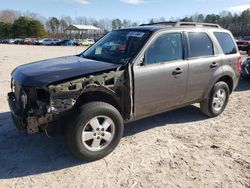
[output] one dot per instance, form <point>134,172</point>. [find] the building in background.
<point>83,31</point>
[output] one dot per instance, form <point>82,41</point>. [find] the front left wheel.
<point>95,132</point>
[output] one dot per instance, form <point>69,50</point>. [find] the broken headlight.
<point>23,99</point>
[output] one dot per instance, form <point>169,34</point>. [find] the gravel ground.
<point>180,148</point>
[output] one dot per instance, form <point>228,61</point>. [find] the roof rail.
<point>197,24</point>
<point>160,23</point>
<point>180,24</point>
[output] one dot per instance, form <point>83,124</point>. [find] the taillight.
<point>239,64</point>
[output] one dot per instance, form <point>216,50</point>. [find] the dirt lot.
<point>181,148</point>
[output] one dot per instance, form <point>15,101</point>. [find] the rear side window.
<point>200,45</point>
<point>226,43</point>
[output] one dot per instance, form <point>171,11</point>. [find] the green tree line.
<point>238,24</point>
<point>23,27</point>
<point>13,25</point>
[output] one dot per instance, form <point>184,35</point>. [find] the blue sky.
<point>137,10</point>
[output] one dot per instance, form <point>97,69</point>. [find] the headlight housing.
<point>23,99</point>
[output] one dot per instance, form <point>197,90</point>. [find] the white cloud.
<point>134,2</point>
<point>239,8</point>
<point>83,2</point>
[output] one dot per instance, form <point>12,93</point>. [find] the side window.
<point>167,47</point>
<point>226,43</point>
<point>200,44</point>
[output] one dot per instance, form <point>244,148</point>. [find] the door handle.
<point>177,71</point>
<point>213,65</point>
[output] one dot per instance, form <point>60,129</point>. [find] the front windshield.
<point>117,46</point>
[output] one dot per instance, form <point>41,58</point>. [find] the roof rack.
<point>180,24</point>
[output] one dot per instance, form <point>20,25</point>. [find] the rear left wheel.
<point>217,100</point>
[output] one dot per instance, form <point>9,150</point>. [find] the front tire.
<point>217,100</point>
<point>95,132</point>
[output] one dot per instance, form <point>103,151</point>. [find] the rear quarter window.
<point>200,45</point>
<point>226,42</point>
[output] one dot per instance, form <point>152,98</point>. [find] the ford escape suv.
<point>127,75</point>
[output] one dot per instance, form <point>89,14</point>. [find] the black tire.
<point>207,106</point>
<point>74,131</point>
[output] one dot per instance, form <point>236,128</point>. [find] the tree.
<point>200,18</point>
<point>187,19</point>
<point>35,29</point>
<point>151,21</point>
<point>212,18</point>
<point>68,20</point>
<point>54,24</point>
<point>126,23</point>
<point>105,25</point>
<point>63,25</point>
<point>20,27</point>
<point>8,16</point>
<point>116,24</point>
<point>245,22</point>
<point>5,30</point>
<point>24,27</point>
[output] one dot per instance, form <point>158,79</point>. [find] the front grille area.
<point>26,98</point>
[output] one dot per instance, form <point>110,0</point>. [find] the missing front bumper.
<point>30,123</point>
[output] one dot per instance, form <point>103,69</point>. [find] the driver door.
<point>160,83</point>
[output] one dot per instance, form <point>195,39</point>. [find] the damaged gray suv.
<point>127,75</point>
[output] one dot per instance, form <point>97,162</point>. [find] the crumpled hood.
<point>43,73</point>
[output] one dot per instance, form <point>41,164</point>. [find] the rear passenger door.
<point>203,64</point>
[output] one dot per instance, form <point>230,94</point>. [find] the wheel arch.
<point>225,78</point>
<point>228,80</point>
<point>100,95</point>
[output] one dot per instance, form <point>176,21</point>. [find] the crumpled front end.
<point>32,108</point>
<point>29,107</point>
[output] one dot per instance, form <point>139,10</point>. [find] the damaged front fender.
<point>64,96</point>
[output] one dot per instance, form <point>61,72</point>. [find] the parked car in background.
<point>78,41</point>
<point>87,42</point>
<point>10,41</point>
<point>40,41</point>
<point>244,44</point>
<point>4,41</point>
<point>50,41</point>
<point>19,41</point>
<point>245,69</point>
<point>66,42</point>
<point>30,41</point>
